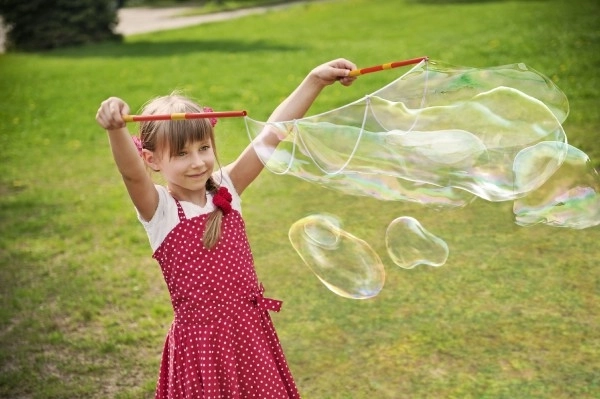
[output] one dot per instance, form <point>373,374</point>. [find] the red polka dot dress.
<point>222,343</point>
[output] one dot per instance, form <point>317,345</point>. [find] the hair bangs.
<point>175,135</point>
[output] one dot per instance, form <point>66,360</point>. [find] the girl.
<point>222,343</point>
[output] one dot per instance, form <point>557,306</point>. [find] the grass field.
<point>514,312</point>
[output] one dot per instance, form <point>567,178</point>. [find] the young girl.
<point>222,343</point>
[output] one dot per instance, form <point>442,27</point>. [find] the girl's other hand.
<point>334,71</point>
<point>110,114</point>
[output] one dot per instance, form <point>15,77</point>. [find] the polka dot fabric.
<point>222,343</point>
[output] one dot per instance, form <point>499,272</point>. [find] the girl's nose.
<point>197,160</point>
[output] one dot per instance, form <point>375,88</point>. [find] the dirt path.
<point>143,20</point>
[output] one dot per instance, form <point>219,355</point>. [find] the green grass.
<point>514,313</point>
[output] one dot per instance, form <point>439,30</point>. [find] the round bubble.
<point>569,198</point>
<point>409,244</point>
<point>345,264</point>
<point>439,135</point>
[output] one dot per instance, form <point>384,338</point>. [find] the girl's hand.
<point>110,114</point>
<point>334,71</point>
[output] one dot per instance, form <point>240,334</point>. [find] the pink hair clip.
<point>213,121</point>
<point>138,144</point>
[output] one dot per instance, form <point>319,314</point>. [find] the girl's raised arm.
<point>248,165</point>
<point>127,158</point>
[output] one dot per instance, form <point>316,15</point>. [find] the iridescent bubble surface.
<point>345,264</point>
<point>409,244</point>
<point>439,135</point>
<point>569,198</point>
<point>442,136</point>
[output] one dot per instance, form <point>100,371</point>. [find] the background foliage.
<point>514,313</point>
<point>48,24</point>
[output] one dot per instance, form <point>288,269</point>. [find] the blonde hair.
<point>155,135</point>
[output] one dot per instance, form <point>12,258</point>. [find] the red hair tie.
<point>222,200</point>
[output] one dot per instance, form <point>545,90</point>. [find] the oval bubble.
<point>345,264</point>
<point>409,244</point>
<point>323,231</point>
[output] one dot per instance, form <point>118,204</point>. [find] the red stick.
<point>389,65</point>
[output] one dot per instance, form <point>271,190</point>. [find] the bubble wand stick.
<point>228,114</point>
<point>182,116</point>
<point>389,65</point>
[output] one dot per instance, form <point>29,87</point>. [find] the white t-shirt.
<point>166,216</point>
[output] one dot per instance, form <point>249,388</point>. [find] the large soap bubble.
<point>443,136</point>
<point>345,264</point>
<point>439,136</point>
<point>409,244</point>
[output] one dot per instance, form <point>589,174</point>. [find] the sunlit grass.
<point>514,313</point>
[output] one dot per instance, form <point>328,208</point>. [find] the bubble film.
<point>569,198</point>
<point>439,135</point>
<point>442,136</point>
<point>409,244</point>
<point>345,264</point>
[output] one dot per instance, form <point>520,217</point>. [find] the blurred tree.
<point>46,24</point>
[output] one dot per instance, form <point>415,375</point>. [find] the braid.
<point>212,231</point>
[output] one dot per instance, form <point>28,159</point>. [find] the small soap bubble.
<point>409,244</point>
<point>569,198</point>
<point>345,264</point>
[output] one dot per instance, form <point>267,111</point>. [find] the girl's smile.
<point>188,171</point>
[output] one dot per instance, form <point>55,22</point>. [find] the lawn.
<point>514,312</point>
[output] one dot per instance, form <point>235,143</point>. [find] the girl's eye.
<point>181,154</point>
<point>204,148</point>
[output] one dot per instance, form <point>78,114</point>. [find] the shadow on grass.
<point>438,2</point>
<point>167,48</point>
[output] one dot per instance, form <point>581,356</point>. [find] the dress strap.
<point>180,211</point>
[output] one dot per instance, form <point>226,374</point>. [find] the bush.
<point>48,24</point>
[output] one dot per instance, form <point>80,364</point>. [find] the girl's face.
<point>186,173</point>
